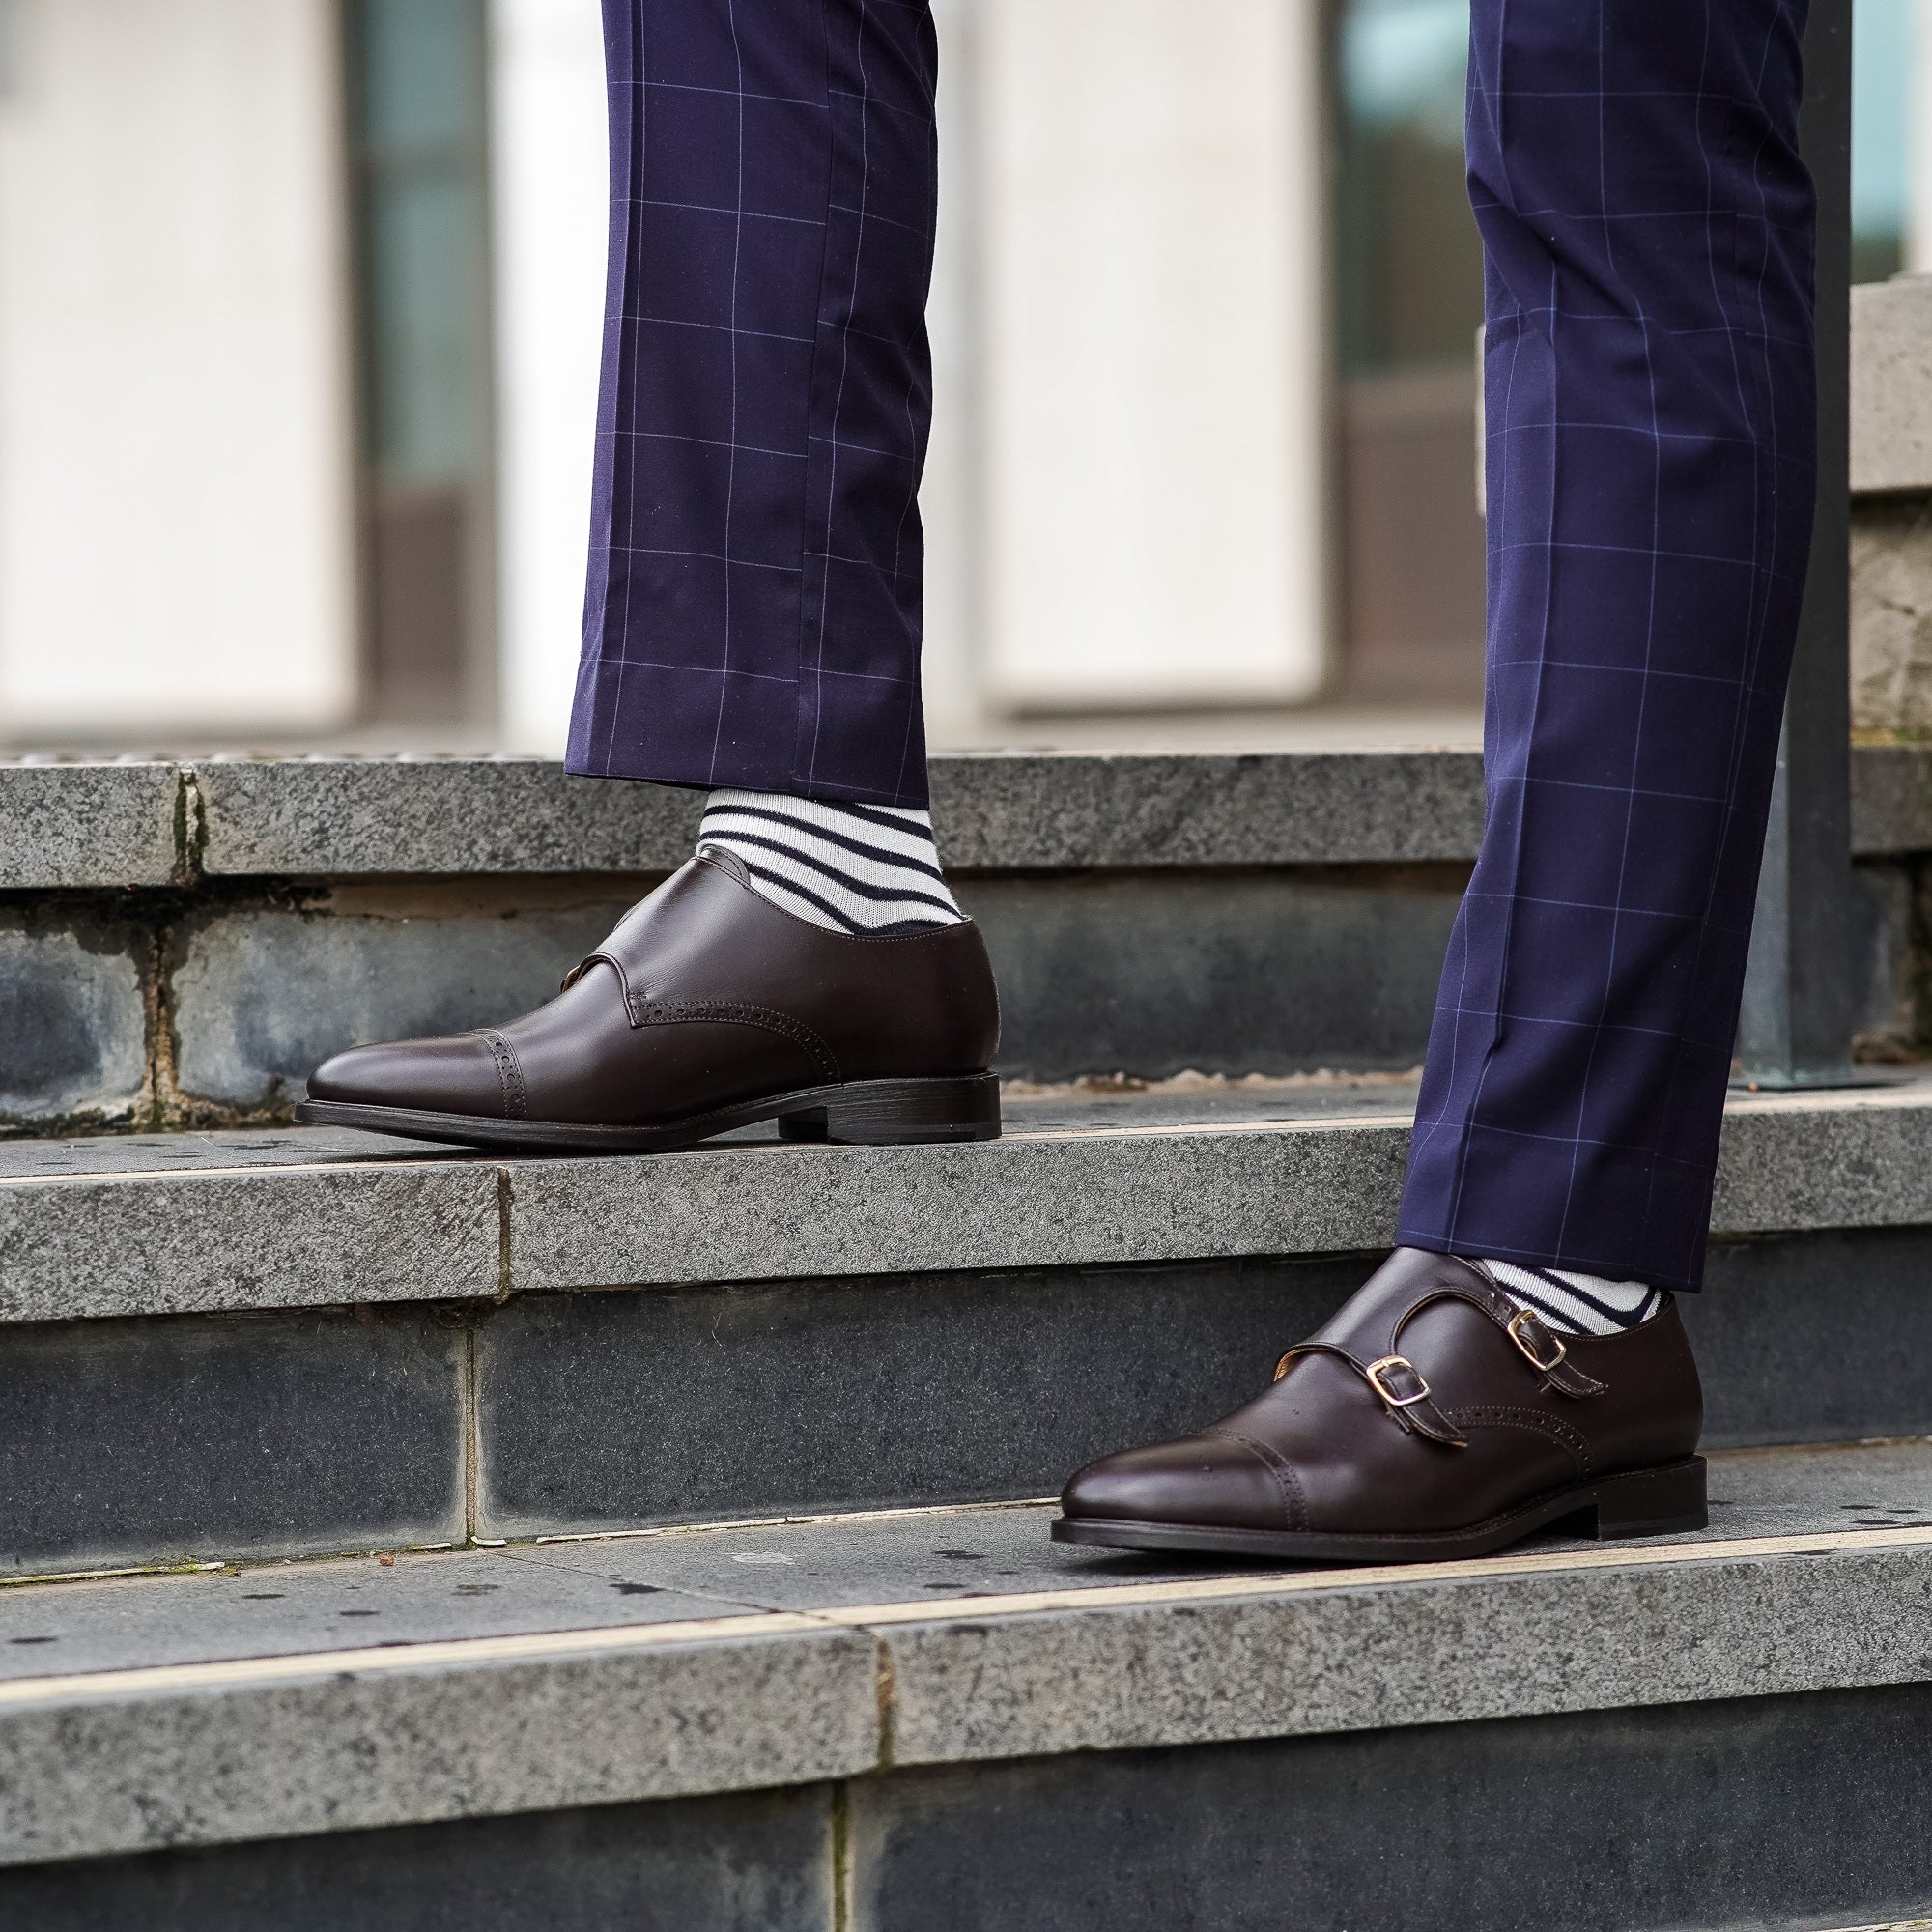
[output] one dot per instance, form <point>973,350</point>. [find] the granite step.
<point>192,937</point>
<point>937,1721</point>
<point>289,1343</point>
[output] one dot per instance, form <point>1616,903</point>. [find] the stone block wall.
<point>1891,510</point>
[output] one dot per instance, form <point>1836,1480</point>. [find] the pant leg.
<point>753,607</point>
<point>1651,457</point>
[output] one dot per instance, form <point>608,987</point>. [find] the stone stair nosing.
<point>291,1345</point>
<point>163,823</point>
<point>691,1696</point>
<point>183,1224</point>
<point>197,937</point>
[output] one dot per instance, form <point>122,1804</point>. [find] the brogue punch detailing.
<point>516,1106</point>
<point>648,1012</point>
<point>642,1009</point>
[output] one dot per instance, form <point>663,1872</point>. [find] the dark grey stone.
<point>1815,1336</point>
<point>349,817</point>
<point>296,1608</point>
<point>74,1018</point>
<point>838,1562</point>
<point>1016,811</point>
<point>1892,798</point>
<point>1239,972</point>
<point>184,1239</point>
<point>134,1441</point>
<point>262,995</point>
<point>1883,944</point>
<point>761,1862</point>
<point>686,1404</point>
<point>344,817</point>
<point>1057,1197</point>
<point>77,824</point>
<point>598,1411</point>
<point>327,817</point>
<point>1798,1811</point>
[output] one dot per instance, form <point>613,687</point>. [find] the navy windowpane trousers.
<point>1651,460</point>
<point>753,615</point>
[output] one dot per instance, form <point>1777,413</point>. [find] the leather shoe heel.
<point>1650,1503</point>
<point>903,1112</point>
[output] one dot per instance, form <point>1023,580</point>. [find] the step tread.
<point>170,1224</point>
<point>202,1708</point>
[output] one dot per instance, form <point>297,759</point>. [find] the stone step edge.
<point>128,1760</point>
<point>369,1231</point>
<point>176,823</point>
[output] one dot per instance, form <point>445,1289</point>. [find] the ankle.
<point>847,867</point>
<point>1576,1303</point>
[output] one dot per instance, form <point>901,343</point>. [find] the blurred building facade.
<point>300,299</point>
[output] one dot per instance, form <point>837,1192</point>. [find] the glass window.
<point>1409,264</point>
<point>1883,56</point>
<point>417,103</point>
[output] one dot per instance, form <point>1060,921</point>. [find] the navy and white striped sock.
<point>1578,1304</point>
<point>847,868</point>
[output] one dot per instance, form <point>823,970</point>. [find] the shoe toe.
<point>1198,1479</point>
<point>455,1075</point>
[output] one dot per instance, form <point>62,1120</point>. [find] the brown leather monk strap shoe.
<point>708,1009</point>
<point>1434,1417</point>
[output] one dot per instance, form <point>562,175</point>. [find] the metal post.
<point>1799,1003</point>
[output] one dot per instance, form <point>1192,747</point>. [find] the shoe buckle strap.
<point>1399,1384</point>
<point>1541,1347</point>
<point>1534,1340</point>
<point>591,959</point>
<point>1397,1381</point>
<point>1406,1394</point>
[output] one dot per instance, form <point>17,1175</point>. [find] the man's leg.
<point>1650,388</point>
<point>753,621</point>
<point>1649,376</point>
<point>752,618</point>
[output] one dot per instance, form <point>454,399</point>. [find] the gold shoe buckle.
<point>1529,1317</point>
<point>1379,1371</point>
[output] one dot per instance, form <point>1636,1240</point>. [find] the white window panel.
<point>1153,351</point>
<point>175,421</point>
<point>550,183</point>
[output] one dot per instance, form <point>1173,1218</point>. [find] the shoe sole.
<point>863,1113</point>
<point>1666,1500</point>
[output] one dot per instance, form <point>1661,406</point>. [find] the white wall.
<point>175,421</point>
<point>550,190</point>
<point>1152,312</point>
<point>1123,497</point>
<point>550,175</point>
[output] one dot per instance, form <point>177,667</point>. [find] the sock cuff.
<point>1577,1303</point>
<point>847,868</point>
